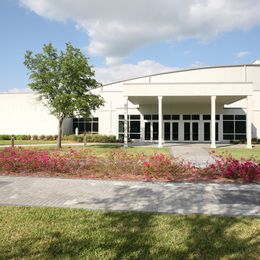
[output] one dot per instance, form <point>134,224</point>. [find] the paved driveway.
<point>182,198</point>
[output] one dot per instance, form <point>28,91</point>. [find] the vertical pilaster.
<point>249,116</point>
<point>213,122</point>
<point>160,117</point>
<point>125,121</point>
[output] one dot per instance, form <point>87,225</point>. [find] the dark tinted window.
<point>186,117</point>
<point>175,117</point>
<point>134,116</point>
<point>206,117</point>
<point>228,117</point>
<point>228,127</point>
<point>167,117</point>
<point>147,117</point>
<point>240,117</point>
<point>195,117</point>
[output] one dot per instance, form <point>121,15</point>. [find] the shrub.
<point>41,137</point>
<point>91,138</point>
<point>228,167</point>
<point>49,137</point>
<point>5,137</point>
<point>32,160</point>
<point>22,137</point>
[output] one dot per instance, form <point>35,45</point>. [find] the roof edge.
<point>183,70</point>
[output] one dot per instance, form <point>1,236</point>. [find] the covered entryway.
<point>191,102</point>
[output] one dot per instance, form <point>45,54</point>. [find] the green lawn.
<point>104,149</point>
<point>21,142</point>
<point>241,152</point>
<point>107,148</point>
<point>49,233</point>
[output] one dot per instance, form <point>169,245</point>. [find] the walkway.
<point>197,154</point>
<point>182,198</point>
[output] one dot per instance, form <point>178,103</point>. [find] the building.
<point>209,104</point>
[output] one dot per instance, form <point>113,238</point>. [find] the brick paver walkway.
<point>183,198</point>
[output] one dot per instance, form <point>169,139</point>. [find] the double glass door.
<point>171,131</point>
<point>151,130</point>
<point>191,131</point>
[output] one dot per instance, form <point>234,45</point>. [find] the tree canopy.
<point>63,82</point>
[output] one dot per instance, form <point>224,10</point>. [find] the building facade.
<point>210,104</point>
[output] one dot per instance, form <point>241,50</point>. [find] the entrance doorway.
<point>151,130</point>
<point>171,131</point>
<point>191,131</point>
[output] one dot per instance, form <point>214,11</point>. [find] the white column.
<point>126,121</point>
<point>213,122</point>
<point>249,116</point>
<point>160,117</point>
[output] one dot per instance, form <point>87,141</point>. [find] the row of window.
<point>88,125</point>
<point>234,126</point>
<point>177,117</point>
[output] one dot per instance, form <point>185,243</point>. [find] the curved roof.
<point>185,70</point>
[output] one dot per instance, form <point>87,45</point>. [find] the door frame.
<point>171,130</point>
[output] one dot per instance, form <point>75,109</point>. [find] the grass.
<point>241,152</point>
<point>71,233</point>
<point>22,142</point>
<point>105,149</point>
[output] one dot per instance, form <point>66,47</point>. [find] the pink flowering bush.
<point>32,160</point>
<point>161,165</point>
<point>124,165</point>
<point>228,167</point>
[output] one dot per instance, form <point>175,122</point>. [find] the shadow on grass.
<point>136,236</point>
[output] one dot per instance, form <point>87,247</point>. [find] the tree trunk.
<point>59,133</point>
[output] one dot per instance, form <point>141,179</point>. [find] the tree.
<point>63,82</point>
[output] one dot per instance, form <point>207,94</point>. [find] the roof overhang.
<point>199,92</point>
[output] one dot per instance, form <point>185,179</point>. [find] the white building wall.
<point>21,113</point>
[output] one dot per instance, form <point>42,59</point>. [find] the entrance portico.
<point>191,112</point>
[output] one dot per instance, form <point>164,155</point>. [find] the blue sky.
<point>123,40</point>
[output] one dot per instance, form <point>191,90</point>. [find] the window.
<point>208,117</point>
<point>195,117</point>
<point>134,128</point>
<point>234,127</point>
<point>166,117</point>
<point>175,117</point>
<point>186,117</point>
<point>88,125</point>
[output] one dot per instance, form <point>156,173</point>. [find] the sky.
<point>125,39</point>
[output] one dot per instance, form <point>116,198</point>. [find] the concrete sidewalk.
<point>182,198</point>
<point>196,154</point>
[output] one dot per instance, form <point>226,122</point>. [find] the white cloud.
<point>127,71</point>
<point>241,54</point>
<point>117,27</point>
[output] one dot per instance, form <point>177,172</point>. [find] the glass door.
<point>195,131</point>
<point>155,126</point>
<point>147,131</point>
<point>186,131</point>
<point>175,131</point>
<point>167,131</point>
